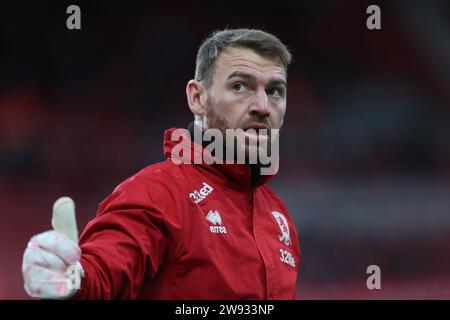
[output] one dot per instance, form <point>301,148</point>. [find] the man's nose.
<point>260,104</point>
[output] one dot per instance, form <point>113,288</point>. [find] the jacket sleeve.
<point>123,245</point>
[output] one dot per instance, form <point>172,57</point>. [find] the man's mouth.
<point>257,130</point>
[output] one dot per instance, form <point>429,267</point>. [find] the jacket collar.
<point>233,175</point>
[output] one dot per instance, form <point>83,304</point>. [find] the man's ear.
<point>195,92</point>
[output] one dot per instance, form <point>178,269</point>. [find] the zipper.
<point>254,227</point>
<point>251,214</point>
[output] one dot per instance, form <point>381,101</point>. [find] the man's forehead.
<point>235,59</point>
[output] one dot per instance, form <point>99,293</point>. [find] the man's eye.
<point>276,92</point>
<point>239,87</point>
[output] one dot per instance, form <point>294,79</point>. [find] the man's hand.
<point>50,266</point>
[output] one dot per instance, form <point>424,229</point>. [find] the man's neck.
<point>196,133</point>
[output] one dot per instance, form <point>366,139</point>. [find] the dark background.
<point>366,158</point>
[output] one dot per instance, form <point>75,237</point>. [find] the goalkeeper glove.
<point>51,262</point>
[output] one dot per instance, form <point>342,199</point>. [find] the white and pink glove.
<point>51,263</point>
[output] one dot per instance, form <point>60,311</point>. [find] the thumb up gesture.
<point>50,266</point>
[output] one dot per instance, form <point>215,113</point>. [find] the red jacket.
<point>186,231</point>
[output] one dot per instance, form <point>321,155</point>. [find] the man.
<point>183,229</point>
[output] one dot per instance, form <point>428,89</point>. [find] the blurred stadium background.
<point>366,155</point>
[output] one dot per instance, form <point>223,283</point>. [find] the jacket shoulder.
<point>150,185</point>
<point>266,189</point>
<point>164,173</point>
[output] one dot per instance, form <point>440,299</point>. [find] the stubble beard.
<point>217,121</point>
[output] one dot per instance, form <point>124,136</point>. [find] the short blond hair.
<point>261,42</point>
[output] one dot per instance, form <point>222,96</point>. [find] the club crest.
<point>284,227</point>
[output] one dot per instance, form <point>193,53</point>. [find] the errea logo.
<point>199,196</point>
<point>215,218</point>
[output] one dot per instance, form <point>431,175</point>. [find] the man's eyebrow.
<point>249,76</point>
<point>241,74</point>
<point>276,82</point>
